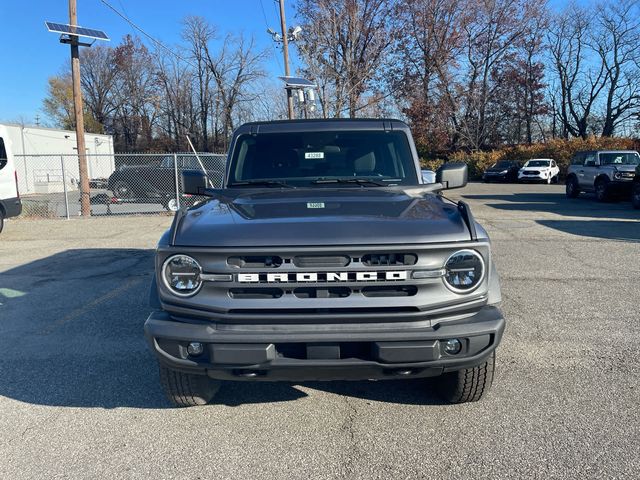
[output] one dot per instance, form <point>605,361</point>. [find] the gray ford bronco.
<point>606,173</point>
<point>325,256</point>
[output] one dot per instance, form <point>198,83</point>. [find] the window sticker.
<point>313,155</point>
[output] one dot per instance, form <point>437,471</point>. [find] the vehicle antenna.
<point>199,161</point>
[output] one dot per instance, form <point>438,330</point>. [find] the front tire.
<point>1,220</point>
<point>572,189</point>
<point>469,384</point>
<point>121,189</point>
<point>635,197</point>
<point>186,389</point>
<point>602,190</point>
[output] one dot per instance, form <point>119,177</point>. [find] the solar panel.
<point>297,82</point>
<point>76,31</point>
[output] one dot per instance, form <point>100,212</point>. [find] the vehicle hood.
<point>497,169</point>
<point>528,169</point>
<point>319,217</point>
<point>624,168</point>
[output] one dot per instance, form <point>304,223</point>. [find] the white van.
<point>10,205</point>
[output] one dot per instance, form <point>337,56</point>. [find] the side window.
<point>3,154</point>
<point>578,159</point>
<point>590,160</point>
<point>553,164</point>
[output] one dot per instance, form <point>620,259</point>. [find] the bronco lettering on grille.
<point>313,277</point>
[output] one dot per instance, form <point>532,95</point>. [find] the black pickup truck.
<point>155,180</point>
<point>325,256</point>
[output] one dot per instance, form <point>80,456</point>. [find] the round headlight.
<point>181,275</point>
<point>464,271</point>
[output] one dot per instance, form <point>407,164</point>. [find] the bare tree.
<point>427,42</point>
<point>617,43</point>
<point>98,76</point>
<point>234,68</point>
<point>135,95</point>
<point>176,116</point>
<point>343,44</point>
<point>198,33</point>
<point>580,81</point>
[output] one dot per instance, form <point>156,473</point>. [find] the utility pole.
<point>285,51</point>
<point>85,206</point>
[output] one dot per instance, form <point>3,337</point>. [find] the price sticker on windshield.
<point>313,155</point>
<point>315,204</point>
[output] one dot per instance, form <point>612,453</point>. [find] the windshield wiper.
<point>356,180</point>
<point>265,183</point>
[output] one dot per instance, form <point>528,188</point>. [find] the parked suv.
<point>325,256</point>
<point>606,173</point>
<point>539,170</point>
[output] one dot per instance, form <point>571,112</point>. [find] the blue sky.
<point>31,54</point>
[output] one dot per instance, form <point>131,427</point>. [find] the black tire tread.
<point>635,193</point>
<point>576,190</point>
<point>469,384</point>
<point>187,390</point>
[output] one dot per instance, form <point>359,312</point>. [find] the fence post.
<point>64,187</point>
<point>175,169</point>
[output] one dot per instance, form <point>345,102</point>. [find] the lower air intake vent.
<point>389,259</point>
<point>255,293</point>
<point>336,292</point>
<point>391,291</point>
<point>255,261</point>
<point>311,261</point>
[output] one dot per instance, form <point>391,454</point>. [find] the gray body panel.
<point>349,216</point>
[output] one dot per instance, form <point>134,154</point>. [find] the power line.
<point>266,23</point>
<point>150,37</point>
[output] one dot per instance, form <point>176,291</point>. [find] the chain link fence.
<point>120,184</point>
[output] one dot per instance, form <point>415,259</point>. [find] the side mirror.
<point>194,182</point>
<point>428,176</point>
<point>452,175</point>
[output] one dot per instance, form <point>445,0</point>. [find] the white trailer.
<point>39,153</point>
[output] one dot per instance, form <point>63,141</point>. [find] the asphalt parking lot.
<point>80,396</point>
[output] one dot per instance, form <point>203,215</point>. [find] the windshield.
<point>619,158</point>
<point>503,164</point>
<point>339,158</point>
<point>537,163</point>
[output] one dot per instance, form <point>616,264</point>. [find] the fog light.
<point>453,346</point>
<point>195,348</point>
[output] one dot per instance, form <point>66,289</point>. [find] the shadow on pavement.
<point>71,334</point>
<point>628,231</point>
<point>558,203</point>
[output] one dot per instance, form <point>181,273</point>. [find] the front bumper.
<point>622,186</point>
<point>323,352</point>
<point>487,176</point>
<point>12,207</point>
<point>540,177</point>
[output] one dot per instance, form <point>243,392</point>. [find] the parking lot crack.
<point>352,449</point>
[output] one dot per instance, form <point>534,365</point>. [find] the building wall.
<point>39,153</point>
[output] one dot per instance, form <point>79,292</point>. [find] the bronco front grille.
<point>341,284</point>
<point>389,259</point>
